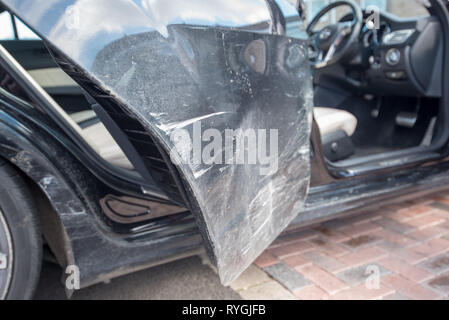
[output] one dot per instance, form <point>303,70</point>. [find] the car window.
<point>405,8</point>
<point>399,8</point>
<point>23,32</point>
<point>6,29</point>
<point>37,61</point>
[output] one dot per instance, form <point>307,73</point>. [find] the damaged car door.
<point>223,88</point>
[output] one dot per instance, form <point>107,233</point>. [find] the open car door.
<point>223,87</point>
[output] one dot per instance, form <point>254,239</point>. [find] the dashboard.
<point>403,57</point>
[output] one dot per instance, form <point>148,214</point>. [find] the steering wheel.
<point>326,45</point>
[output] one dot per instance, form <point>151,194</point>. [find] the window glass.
<point>35,58</point>
<point>405,8</point>
<point>6,29</point>
<point>314,6</point>
<point>381,4</point>
<point>24,32</point>
<point>400,8</point>
<point>333,16</point>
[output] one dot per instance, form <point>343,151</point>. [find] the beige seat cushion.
<point>82,116</point>
<point>331,120</point>
<point>52,77</point>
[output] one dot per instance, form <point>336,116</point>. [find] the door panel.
<point>218,87</point>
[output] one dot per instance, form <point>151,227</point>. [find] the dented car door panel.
<point>226,95</point>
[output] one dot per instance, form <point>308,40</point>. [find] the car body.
<point>107,220</point>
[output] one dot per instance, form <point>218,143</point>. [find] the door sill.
<point>383,162</point>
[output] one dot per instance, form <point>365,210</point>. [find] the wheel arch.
<point>73,224</point>
<point>53,195</point>
<point>51,226</point>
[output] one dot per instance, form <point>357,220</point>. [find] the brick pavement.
<point>396,252</point>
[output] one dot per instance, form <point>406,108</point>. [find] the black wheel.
<point>20,239</point>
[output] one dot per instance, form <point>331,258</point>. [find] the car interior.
<point>378,85</point>
<point>377,80</point>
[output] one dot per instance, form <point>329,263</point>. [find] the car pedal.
<point>407,119</point>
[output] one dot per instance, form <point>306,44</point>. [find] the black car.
<point>133,133</point>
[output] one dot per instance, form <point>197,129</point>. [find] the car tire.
<point>20,237</point>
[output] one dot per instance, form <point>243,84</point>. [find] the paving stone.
<point>362,217</point>
<point>428,233</point>
<point>422,209</point>
<point>296,262</point>
<point>440,205</point>
<point>414,211</point>
<point>267,291</point>
<point>323,279</point>
<point>399,215</point>
<point>406,269</point>
<point>265,259</point>
<point>445,225</point>
<point>442,209</point>
<point>432,248</point>
<point>250,277</point>
<point>437,265</point>
<point>442,213</point>
<point>389,245</point>
<point>361,292</point>
<point>332,235</point>
<point>356,276</point>
<point>408,255</point>
<point>363,256</point>
<point>292,249</point>
<point>357,230</point>
<point>332,249</point>
<point>395,206</point>
<point>394,225</point>
<point>409,288</point>
<point>288,277</point>
<point>426,221</point>
<point>440,283</point>
<point>312,292</point>
<point>395,237</point>
<point>324,261</point>
<point>396,296</point>
<point>361,241</point>
<point>396,250</point>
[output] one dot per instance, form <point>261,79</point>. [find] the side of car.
<point>108,222</point>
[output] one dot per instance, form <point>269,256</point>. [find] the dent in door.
<point>197,70</point>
